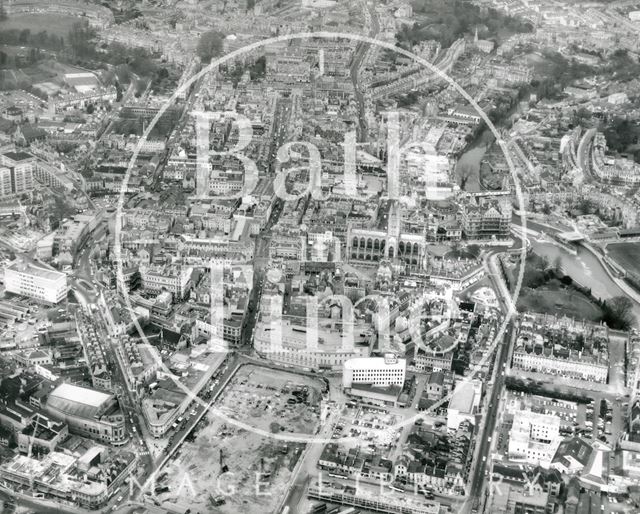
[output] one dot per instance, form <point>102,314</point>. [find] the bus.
<point>396,488</point>
<point>337,475</point>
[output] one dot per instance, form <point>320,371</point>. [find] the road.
<point>307,463</point>
<point>280,129</point>
<point>476,479</point>
<point>208,393</point>
<point>113,115</point>
<point>584,151</point>
<point>356,63</point>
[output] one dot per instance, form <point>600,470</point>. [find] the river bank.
<point>585,268</point>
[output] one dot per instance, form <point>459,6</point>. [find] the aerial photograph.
<point>319,256</point>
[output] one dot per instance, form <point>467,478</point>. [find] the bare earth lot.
<point>258,467</point>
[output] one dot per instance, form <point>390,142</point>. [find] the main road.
<point>478,471</point>
<point>356,63</point>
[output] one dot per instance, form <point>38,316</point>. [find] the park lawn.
<point>552,298</point>
<point>58,24</point>
<point>627,255</point>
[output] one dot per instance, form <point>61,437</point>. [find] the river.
<point>470,161</point>
<point>584,268</point>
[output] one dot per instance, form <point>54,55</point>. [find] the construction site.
<point>233,464</point>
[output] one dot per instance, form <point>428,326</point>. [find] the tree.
<point>80,38</point>
<point>25,35</point>
<point>582,117</point>
<point>474,250</point>
<point>209,46</point>
<point>464,172</point>
<point>617,313</point>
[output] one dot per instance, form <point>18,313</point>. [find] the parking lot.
<point>373,427</point>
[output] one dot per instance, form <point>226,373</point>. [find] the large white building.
<point>534,437</point>
<point>16,173</point>
<point>376,371</point>
<point>290,342</point>
<point>43,284</point>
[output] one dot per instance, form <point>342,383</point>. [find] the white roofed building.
<point>88,412</point>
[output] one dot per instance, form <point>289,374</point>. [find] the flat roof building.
<point>88,412</point>
<point>374,371</point>
<point>25,278</point>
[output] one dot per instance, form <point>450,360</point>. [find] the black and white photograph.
<point>319,256</point>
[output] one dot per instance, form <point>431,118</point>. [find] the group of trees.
<point>623,136</point>
<point>81,39</point>
<point>617,313</point>
<point>448,21</point>
<point>209,46</point>
<point>557,73</point>
<point>257,70</point>
<point>42,40</point>
<point>621,67</point>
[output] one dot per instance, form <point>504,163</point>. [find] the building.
<point>375,245</point>
<point>42,435</point>
<point>485,218</point>
<point>509,74</point>
<point>30,358</point>
<point>174,279</point>
<point>73,233</point>
<point>377,371</point>
<point>514,499</point>
<point>88,412</point>
<point>16,173</point>
<point>562,346</point>
<point>572,456</point>
<point>28,279</point>
<point>290,342</point>
<point>534,437</point>
<point>462,405</point>
<point>87,481</point>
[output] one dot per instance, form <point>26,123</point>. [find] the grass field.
<point>58,24</point>
<point>553,299</point>
<point>627,255</point>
